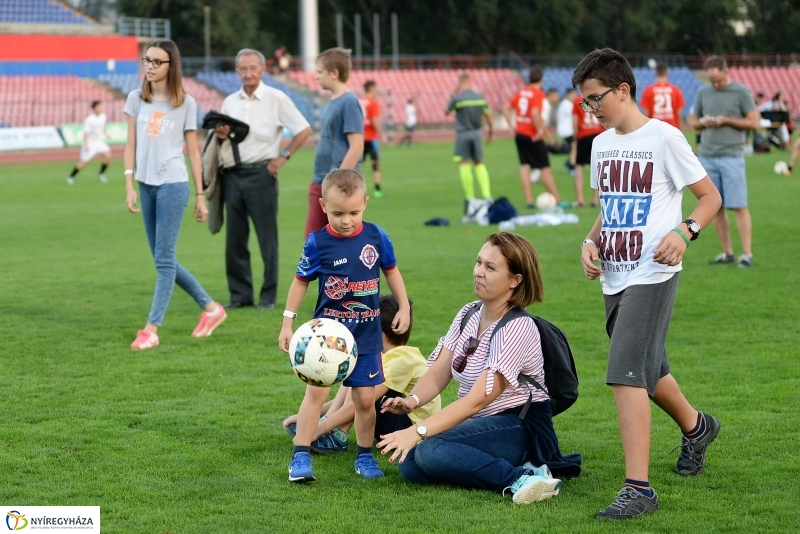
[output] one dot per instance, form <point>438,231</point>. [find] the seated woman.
<point>479,440</point>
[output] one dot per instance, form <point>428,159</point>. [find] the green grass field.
<point>187,438</point>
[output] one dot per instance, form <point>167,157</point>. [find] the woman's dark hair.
<point>174,76</point>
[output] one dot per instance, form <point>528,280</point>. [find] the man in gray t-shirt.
<point>470,107</point>
<point>724,110</point>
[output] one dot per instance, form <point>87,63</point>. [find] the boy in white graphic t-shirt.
<point>640,167</point>
<point>94,143</point>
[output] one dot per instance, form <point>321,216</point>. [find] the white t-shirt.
<point>641,176</point>
<point>564,127</point>
<point>94,126</point>
<point>411,115</point>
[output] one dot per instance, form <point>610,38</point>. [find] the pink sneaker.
<point>145,340</point>
<point>209,322</point>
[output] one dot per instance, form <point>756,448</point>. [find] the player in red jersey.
<point>524,110</point>
<point>586,128</point>
<point>662,100</point>
<point>373,132</point>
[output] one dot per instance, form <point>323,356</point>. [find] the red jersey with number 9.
<point>587,122</point>
<point>523,103</point>
<point>663,101</point>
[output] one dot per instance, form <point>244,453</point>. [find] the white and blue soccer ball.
<point>323,352</point>
<point>545,201</point>
<point>780,168</point>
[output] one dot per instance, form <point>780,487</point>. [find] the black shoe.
<point>236,305</point>
<point>692,460</point>
<point>270,306</point>
<point>629,503</point>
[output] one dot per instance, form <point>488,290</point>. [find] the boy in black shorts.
<point>641,166</point>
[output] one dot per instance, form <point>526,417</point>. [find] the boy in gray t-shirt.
<point>160,137</point>
<point>342,116</point>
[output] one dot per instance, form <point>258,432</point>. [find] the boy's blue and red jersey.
<point>349,273</point>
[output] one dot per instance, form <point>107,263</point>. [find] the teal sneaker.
<point>367,466</point>
<point>542,471</point>
<point>534,488</point>
<point>300,468</point>
<point>564,204</point>
<point>333,441</point>
<point>377,193</point>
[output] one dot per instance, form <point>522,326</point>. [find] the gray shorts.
<point>638,353</point>
<point>469,145</point>
<point>728,175</point>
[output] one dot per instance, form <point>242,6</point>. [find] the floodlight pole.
<point>309,33</point>
<point>376,40</point>
<point>340,30</point>
<point>357,24</point>
<point>395,43</point>
<point>207,32</point>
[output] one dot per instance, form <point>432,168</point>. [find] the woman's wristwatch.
<point>410,395</point>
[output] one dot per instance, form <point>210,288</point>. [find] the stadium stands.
<point>52,100</point>
<point>681,76</point>
<point>431,89</point>
<point>229,82</point>
<point>40,12</point>
<point>770,80</point>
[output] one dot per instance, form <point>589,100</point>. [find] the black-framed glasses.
<point>593,103</point>
<point>156,62</point>
<point>470,346</point>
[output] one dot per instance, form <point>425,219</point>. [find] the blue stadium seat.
<point>41,12</point>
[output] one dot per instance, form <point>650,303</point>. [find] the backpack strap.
<point>513,313</point>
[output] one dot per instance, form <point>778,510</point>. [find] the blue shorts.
<point>728,175</point>
<point>368,371</point>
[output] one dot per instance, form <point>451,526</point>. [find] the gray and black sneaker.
<point>723,257</point>
<point>692,460</point>
<point>629,503</point>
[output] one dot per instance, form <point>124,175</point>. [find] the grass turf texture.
<point>187,437</point>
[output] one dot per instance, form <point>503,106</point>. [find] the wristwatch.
<point>286,154</point>
<point>422,430</point>
<point>586,242</point>
<point>694,228</point>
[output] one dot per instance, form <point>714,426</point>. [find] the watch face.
<point>694,227</point>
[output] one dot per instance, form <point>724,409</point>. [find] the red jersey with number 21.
<point>663,101</point>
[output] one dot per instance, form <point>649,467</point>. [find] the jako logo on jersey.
<point>369,256</point>
<point>340,262</point>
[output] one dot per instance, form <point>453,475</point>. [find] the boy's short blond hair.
<point>337,59</point>
<point>347,181</point>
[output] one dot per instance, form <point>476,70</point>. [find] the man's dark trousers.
<point>251,192</point>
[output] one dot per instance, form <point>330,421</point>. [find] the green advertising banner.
<point>117,133</point>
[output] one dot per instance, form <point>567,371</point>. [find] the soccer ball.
<point>323,352</point>
<point>781,168</point>
<point>545,201</point>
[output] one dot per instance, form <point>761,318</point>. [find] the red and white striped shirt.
<point>515,349</point>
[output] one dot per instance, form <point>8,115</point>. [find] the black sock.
<point>377,187</point>
<point>642,486</point>
<point>103,168</point>
<point>363,450</point>
<point>699,427</point>
<point>300,448</point>
<point>74,172</point>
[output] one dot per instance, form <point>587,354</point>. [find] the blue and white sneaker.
<point>367,467</point>
<point>542,471</point>
<point>300,468</point>
<point>534,488</point>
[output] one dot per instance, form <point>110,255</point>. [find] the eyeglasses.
<point>245,70</point>
<point>470,346</point>
<point>593,103</point>
<point>156,62</point>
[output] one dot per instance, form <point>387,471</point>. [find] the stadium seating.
<point>770,80</point>
<point>431,89</point>
<point>229,82</point>
<point>52,100</point>
<point>681,76</point>
<point>40,12</point>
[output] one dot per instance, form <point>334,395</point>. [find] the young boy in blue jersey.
<point>347,257</point>
<point>403,366</point>
<point>641,167</point>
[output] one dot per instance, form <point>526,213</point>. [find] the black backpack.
<point>560,375</point>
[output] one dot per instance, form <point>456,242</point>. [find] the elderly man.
<point>723,111</point>
<point>250,181</point>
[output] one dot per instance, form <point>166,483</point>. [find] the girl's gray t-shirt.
<point>159,138</point>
